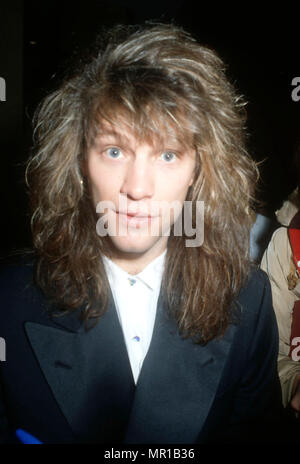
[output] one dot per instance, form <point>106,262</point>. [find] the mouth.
<point>136,215</point>
<point>136,220</point>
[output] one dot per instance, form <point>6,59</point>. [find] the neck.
<point>133,263</point>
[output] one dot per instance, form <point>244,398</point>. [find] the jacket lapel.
<point>177,385</point>
<point>90,377</point>
<point>88,372</point>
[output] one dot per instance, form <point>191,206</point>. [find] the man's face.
<point>138,181</point>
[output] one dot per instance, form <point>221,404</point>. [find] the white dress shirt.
<point>135,297</point>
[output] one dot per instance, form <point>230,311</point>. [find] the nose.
<point>138,181</point>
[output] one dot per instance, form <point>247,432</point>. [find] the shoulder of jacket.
<point>252,294</point>
<point>16,276</point>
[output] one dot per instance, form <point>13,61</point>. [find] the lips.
<point>135,220</point>
<point>136,215</point>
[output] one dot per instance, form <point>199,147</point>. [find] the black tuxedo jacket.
<point>64,384</point>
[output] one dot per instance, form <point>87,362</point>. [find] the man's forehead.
<point>113,128</point>
<point>125,131</point>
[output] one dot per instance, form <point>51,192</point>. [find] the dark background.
<point>260,48</point>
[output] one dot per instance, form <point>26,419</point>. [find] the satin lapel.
<point>176,387</point>
<point>88,372</point>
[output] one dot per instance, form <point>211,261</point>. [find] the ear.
<point>192,180</point>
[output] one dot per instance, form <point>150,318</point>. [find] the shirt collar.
<point>151,275</point>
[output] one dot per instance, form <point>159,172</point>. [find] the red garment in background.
<point>294,237</point>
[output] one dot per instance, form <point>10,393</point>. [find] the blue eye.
<point>169,156</point>
<point>114,152</point>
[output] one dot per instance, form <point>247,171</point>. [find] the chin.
<point>136,244</point>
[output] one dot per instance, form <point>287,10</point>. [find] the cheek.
<point>102,182</point>
<point>94,176</point>
<point>175,187</point>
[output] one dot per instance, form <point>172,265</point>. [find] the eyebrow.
<point>172,144</point>
<point>110,137</point>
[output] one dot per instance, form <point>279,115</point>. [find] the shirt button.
<point>131,281</point>
<point>137,338</point>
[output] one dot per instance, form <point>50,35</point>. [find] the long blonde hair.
<point>158,77</point>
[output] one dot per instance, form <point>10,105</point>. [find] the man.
<point>126,328</point>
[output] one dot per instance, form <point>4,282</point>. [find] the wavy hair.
<point>157,78</point>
